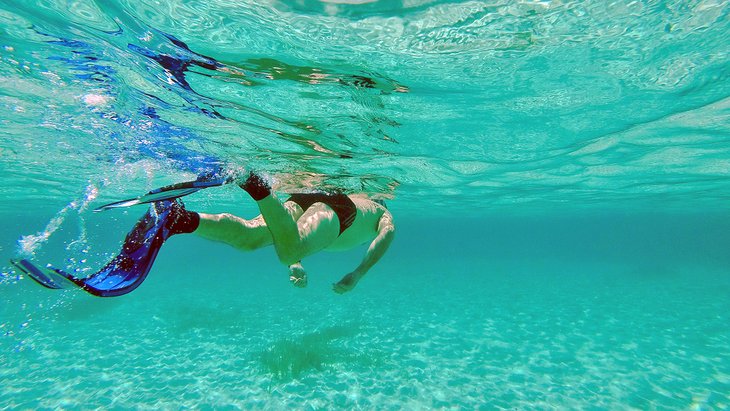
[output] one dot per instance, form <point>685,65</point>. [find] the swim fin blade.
<point>167,192</point>
<point>125,272</point>
<point>47,277</point>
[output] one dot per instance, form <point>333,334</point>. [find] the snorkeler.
<point>301,226</point>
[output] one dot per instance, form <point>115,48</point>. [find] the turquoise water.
<point>559,174</point>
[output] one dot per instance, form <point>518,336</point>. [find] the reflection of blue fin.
<point>128,269</point>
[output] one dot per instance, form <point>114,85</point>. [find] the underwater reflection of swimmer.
<point>302,225</point>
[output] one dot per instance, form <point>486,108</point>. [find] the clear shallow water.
<point>533,322</point>
<point>604,324</point>
<point>558,172</point>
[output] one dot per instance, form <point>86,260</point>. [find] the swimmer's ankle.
<point>182,221</point>
<point>256,187</point>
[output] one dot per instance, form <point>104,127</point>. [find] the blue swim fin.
<point>167,193</point>
<point>47,277</point>
<point>126,271</point>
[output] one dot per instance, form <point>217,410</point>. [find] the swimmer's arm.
<point>386,232</point>
<point>297,275</point>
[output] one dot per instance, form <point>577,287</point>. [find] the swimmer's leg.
<point>294,239</point>
<point>245,235</point>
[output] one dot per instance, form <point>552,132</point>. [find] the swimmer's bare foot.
<point>297,275</point>
<point>346,284</point>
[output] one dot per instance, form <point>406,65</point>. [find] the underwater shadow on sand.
<point>292,358</point>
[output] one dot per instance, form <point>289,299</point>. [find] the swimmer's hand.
<point>297,275</point>
<point>347,283</point>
